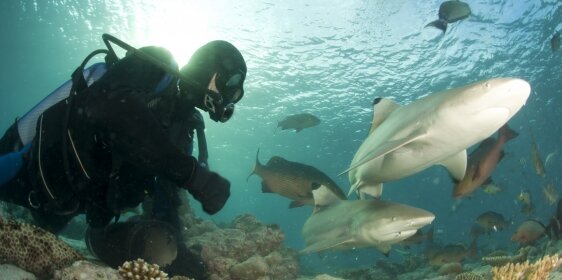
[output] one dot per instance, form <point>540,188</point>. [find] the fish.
<point>298,122</point>
<point>292,180</point>
<point>528,232</point>
<point>492,221</point>
<point>450,253</point>
<point>550,193</point>
<point>492,189</point>
<point>449,12</point>
<point>436,129</point>
<point>417,238</point>
<point>482,162</point>
<point>549,157</point>
<point>526,202</point>
<point>554,228</point>
<point>555,41</point>
<point>537,162</point>
<point>349,224</point>
<point>476,230</point>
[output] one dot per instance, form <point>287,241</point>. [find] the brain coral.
<point>34,249</point>
<point>141,270</point>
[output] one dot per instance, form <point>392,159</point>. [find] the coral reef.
<point>526,271</point>
<point>469,276</point>
<point>501,258</point>
<point>85,270</point>
<point>12,272</point>
<point>141,270</point>
<point>34,249</point>
<point>246,247</point>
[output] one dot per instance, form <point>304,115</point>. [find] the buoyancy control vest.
<point>53,113</point>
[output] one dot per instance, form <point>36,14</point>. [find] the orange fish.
<point>529,232</point>
<point>482,162</point>
<point>537,162</point>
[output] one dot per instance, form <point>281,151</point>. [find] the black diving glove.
<point>209,188</point>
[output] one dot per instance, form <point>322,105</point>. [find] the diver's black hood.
<point>215,56</point>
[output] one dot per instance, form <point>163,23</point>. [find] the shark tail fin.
<point>439,24</point>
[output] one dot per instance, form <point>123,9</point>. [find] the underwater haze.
<point>330,59</point>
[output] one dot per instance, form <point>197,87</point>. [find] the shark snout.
<point>512,93</point>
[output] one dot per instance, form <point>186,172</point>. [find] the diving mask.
<point>221,96</point>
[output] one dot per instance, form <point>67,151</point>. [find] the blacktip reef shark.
<point>436,129</point>
<point>347,224</point>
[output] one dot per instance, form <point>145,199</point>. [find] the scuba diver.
<point>119,132</point>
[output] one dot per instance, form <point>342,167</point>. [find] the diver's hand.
<point>209,188</point>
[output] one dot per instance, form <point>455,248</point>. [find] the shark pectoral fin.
<point>385,148</point>
<point>323,197</point>
<point>374,191</point>
<point>325,244</point>
<point>382,107</point>
<point>456,165</point>
<point>384,248</point>
<point>354,188</point>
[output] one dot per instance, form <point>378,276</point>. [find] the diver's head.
<point>219,69</point>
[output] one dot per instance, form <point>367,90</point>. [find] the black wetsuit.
<point>123,141</point>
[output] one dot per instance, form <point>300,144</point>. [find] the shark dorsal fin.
<point>382,107</point>
<point>323,197</point>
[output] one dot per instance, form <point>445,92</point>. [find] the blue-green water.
<point>328,58</point>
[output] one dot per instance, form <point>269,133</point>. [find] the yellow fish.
<point>526,202</point>
<point>492,189</point>
<point>537,162</point>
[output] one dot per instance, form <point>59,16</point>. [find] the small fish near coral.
<point>293,180</point>
<point>492,221</point>
<point>298,122</point>
<point>449,12</point>
<point>526,201</point>
<point>529,232</point>
<point>537,162</point>
<point>450,253</point>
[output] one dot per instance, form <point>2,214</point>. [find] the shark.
<point>433,130</point>
<point>338,224</point>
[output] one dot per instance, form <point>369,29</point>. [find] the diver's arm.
<point>135,135</point>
